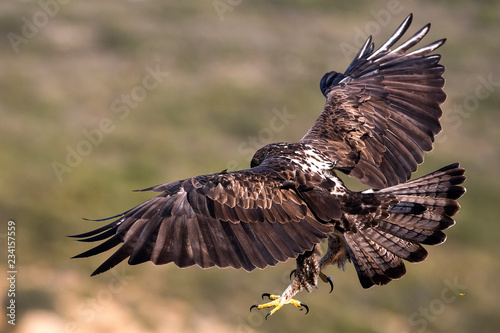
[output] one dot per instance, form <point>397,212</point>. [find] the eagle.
<point>379,118</point>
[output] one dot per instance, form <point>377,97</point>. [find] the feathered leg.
<point>306,278</point>
<point>335,255</point>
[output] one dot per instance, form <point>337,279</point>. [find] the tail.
<point>414,213</point>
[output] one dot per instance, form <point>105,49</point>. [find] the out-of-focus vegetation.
<point>232,66</point>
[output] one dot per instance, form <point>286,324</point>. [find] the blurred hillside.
<point>100,98</point>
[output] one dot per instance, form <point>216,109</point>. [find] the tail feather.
<point>402,248</point>
<point>429,220</point>
<point>412,213</point>
<point>441,183</point>
<point>373,261</point>
<point>414,234</point>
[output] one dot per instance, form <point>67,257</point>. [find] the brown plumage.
<point>380,117</point>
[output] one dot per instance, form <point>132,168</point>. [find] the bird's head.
<point>278,150</point>
<point>259,156</point>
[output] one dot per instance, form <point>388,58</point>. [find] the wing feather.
<point>385,101</point>
<point>242,219</point>
<point>274,249</point>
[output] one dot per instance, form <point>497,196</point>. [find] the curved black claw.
<point>305,306</point>
<point>327,279</point>
<point>294,272</point>
<point>253,306</point>
<point>330,281</point>
<point>268,295</point>
<point>267,315</point>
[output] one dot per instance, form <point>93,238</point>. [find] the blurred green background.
<point>84,122</point>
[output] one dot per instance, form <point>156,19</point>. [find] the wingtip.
<point>94,273</point>
<point>441,41</point>
<point>409,18</point>
<point>406,23</point>
<point>79,256</point>
<point>103,219</point>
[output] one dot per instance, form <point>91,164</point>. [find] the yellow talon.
<point>299,304</point>
<point>278,302</point>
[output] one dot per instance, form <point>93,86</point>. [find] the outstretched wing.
<point>243,219</point>
<point>381,115</point>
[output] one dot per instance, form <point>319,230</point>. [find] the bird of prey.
<point>380,116</point>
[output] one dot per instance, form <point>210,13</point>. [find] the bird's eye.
<point>255,162</point>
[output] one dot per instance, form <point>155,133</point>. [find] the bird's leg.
<point>336,254</point>
<point>306,277</point>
